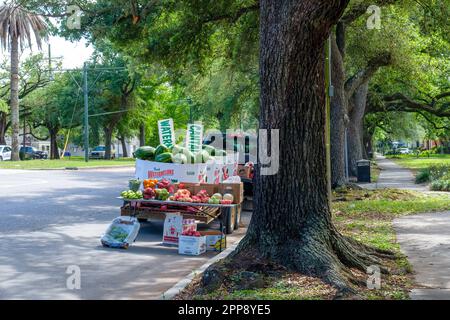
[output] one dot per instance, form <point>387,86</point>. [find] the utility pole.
<point>86,112</point>
<point>329,94</point>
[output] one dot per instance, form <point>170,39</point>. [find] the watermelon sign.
<point>166,132</point>
<point>194,137</point>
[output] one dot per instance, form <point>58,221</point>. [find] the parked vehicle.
<point>5,153</point>
<point>404,151</point>
<point>99,152</point>
<point>31,153</point>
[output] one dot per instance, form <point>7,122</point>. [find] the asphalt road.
<point>52,220</point>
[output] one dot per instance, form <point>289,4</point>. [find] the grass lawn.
<point>73,162</point>
<point>414,163</point>
<point>364,215</point>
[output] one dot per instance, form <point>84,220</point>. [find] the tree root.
<point>330,257</point>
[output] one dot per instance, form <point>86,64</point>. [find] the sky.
<point>73,54</point>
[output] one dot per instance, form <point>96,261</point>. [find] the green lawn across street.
<point>73,162</point>
<point>414,163</point>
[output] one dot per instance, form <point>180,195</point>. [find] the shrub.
<point>440,185</point>
<point>423,176</point>
<point>438,172</point>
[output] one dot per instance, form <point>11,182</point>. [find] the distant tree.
<point>16,27</point>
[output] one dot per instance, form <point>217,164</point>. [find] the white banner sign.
<point>166,132</point>
<point>194,137</point>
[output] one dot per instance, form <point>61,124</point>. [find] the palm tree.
<point>16,28</point>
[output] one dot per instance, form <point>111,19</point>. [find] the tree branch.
<point>364,75</point>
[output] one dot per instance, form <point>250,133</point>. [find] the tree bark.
<point>357,106</point>
<point>54,150</point>
<point>338,117</point>
<point>292,224</point>
<point>142,135</point>
<point>124,146</point>
<point>108,141</point>
<point>15,124</point>
<point>3,119</point>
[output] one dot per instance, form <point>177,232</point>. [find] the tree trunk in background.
<point>15,124</point>
<point>339,106</point>
<point>142,135</point>
<point>3,124</point>
<point>54,150</point>
<point>124,146</point>
<point>108,141</point>
<point>95,135</point>
<point>356,126</point>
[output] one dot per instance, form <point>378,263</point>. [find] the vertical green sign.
<point>166,133</point>
<point>194,137</point>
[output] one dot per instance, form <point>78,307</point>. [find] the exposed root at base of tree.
<point>333,259</point>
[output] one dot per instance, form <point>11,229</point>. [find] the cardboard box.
<point>213,240</point>
<point>244,171</point>
<point>173,228</point>
<point>193,246</point>
<point>174,172</point>
<point>236,189</point>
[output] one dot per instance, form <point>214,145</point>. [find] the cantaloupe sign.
<point>194,137</point>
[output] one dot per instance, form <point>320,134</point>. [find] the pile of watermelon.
<point>177,154</point>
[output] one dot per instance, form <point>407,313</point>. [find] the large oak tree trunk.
<point>291,224</point>
<point>356,127</point>
<point>338,118</point>
<point>15,124</point>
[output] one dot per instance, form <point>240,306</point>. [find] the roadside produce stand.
<point>184,185</point>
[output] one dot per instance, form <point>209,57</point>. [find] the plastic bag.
<point>121,233</point>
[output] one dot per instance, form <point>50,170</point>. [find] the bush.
<point>438,172</point>
<point>423,176</point>
<point>440,185</point>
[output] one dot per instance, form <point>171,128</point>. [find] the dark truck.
<point>245,144</point>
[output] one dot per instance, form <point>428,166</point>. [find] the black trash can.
<point>363,171</point>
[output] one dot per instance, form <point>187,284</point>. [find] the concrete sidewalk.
<point>394,176</point>
<point>425,240</point>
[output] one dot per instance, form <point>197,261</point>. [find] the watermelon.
<point>177,149</point>
<point>210,149</point>
<point>190,157</point>
<point>165,157</point>
<point>220,153</point>
<point>161,149</point>
<point>145,153</point>
<point>179,158</point>
<point>202,157</point>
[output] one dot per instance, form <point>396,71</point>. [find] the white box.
<point>193,246</point>
<point>173,227</point>
<point>174,172</point>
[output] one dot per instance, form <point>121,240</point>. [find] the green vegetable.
<point>162,194</point>
<point>210,149</point>
<point>179,158</point>
<point>164,157</point>
<point>202,157</point>
<point>145,153</point>
<point>160,150</point>
<point>220,153</point>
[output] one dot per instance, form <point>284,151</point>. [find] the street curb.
<point>182,284</point>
